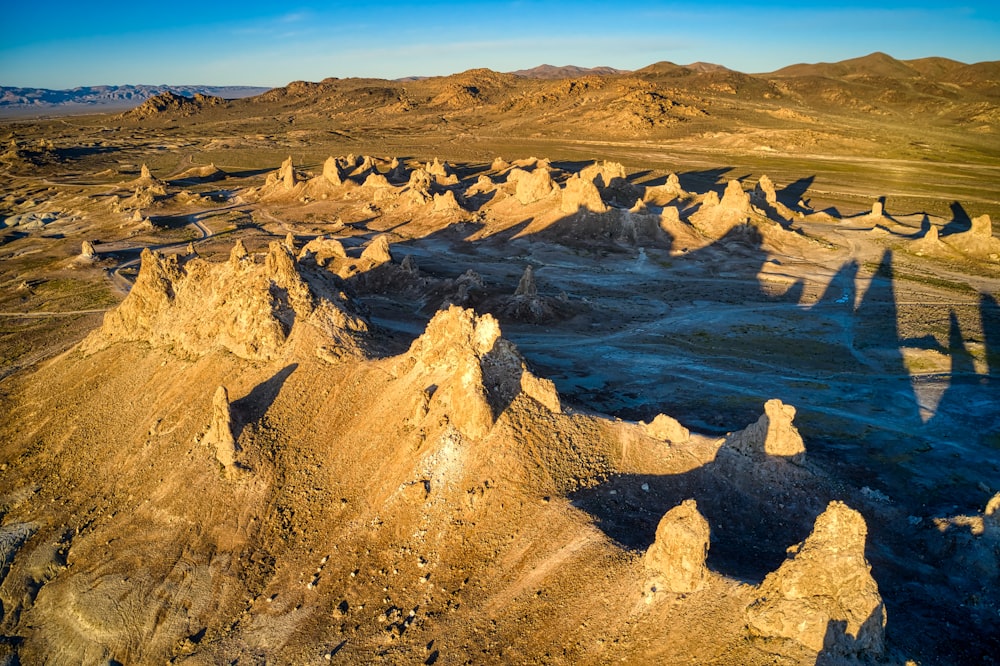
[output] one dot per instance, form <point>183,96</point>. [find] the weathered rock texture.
<point>824,597</point>
<point>244,306</point>
<point>677,556</point>
<point>773,434</point>
<point>580,193</point>
<point>532,186</point>
<point>220,433</point>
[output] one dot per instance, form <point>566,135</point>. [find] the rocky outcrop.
<point>377,251</point>
<point>823,596</point>
<point>322,249</point>
<point>450,356</point>
<point>220,432</point>
<point>603,174</point>
<point>666,428</point>
<point>532,186</point>
<point>763,192</point>
<point>977,240</point>
<point>247,307</point>
<point>773,434</point>
<point>331,172</point>
<point>473,373</point>
<point>676,560</point>
<point>526,304</point>
<point>446,202</point>
<point>437,168</point>
<point>87,251</point>
<point>579,193</point>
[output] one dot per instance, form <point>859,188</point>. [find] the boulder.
<point>773,434</point>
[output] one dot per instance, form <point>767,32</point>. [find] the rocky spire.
<point>677,556</point>
<point>823,596</point>
<point>220,432</point>
<point>526,286</point>
<point>773,434</point>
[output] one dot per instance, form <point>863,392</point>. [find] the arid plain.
<point>427,371</point>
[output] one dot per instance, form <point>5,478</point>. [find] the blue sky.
<point>57,45</point>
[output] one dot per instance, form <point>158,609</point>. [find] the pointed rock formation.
<point>242,306</point>
<point>526,285</point>
<point>376,180</point>
<point>580,193</point>
<point>763,191</point>
<point>666,428</point>
<point>377,250</point>
<point>541,390</point>
<point>286,174</point>
<point>436,168</point>
<point>532,186</point>
<point>499,164</point>
<point>450,354</point>
<point>825,583</point>
<point>735,198</point>
<point>676,559</point>
<point>220,433</point>
<point>773,434</point>
<point>446,202</point>
<point>87,251</point>
<point>290,242</point>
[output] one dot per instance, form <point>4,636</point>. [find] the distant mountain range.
<point>104,98</point>
<point>661,93</point>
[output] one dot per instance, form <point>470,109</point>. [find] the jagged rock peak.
<point>239,253</point>
<point>446,201</point>
<point>677,556</point>
<point>734,198</point>
<point>437,168</point>
<point>532,186</point>
<point>580,193</point>
<point>773,434</point>
<point>245,307</point>
<point>144,173</point>
<point>824,597</point>
<point>377,250</point>
<point>220,432</point>
<point>603,174</point>
<point>322,249</point>
<point>526,285</point>
<point>666,428</point>
<point>764,190</point>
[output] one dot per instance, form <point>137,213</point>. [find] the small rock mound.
<point>772,435</point>
<point>666,428</point>
<point>823,597</point>
<point>677,556</point>
<point>446,202</point>
<point>87,251</point>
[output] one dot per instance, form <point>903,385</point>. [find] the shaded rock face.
<point>331,171</point>
<point>676,559</point>
<point>773,434</point>
<point>242,306</point>
<point>220,433</point>
<point>824,597</point>
<point>526,285</point>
